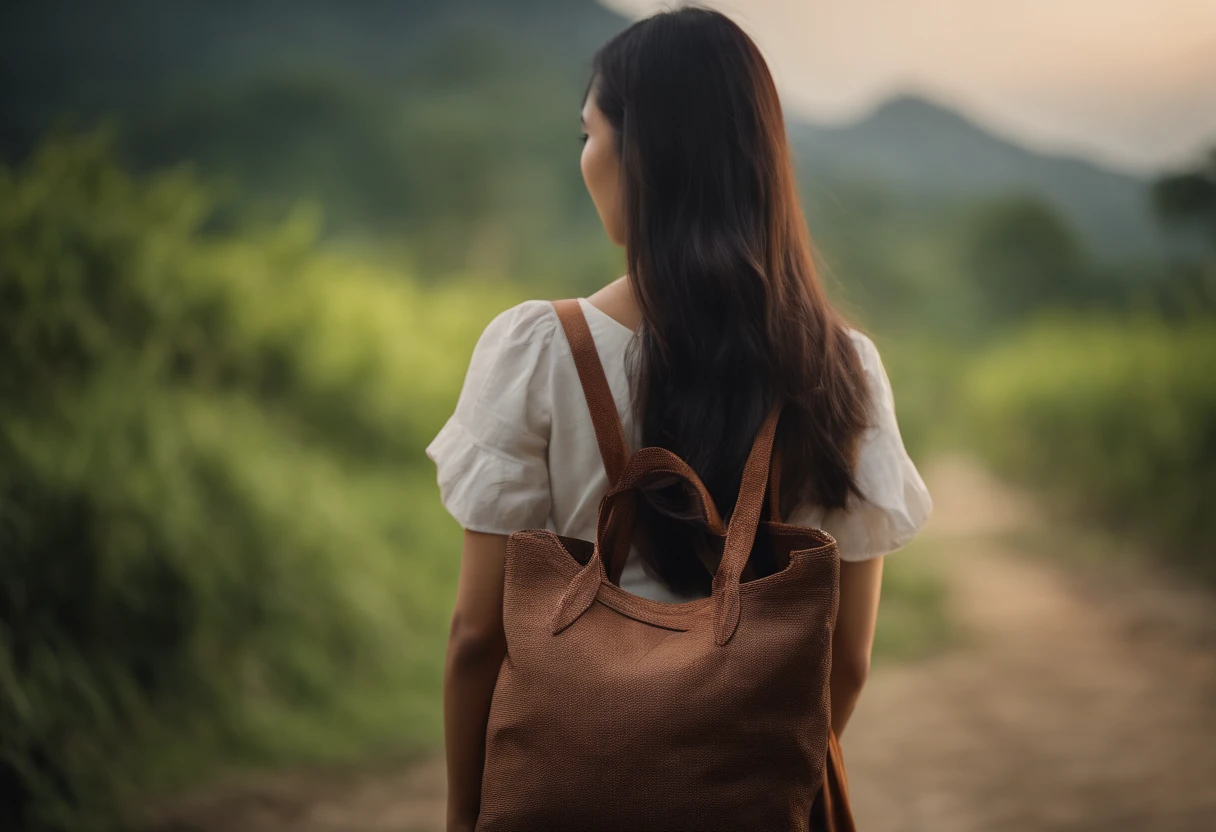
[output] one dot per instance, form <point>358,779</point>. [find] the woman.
<point>686,159</point>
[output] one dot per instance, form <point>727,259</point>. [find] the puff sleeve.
<point>491,455</point>
<point>896,503</point>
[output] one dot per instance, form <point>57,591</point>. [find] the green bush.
<point>1115,417</point>
<point>219,541</point>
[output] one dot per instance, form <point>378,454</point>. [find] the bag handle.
<point>831,811</point>
<point>744,520</point>
<point>646,463</point>
<point>774,488</point>
<point>740,531</point>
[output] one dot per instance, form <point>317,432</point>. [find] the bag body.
<point>617,712</point>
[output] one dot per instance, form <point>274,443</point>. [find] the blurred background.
<point>246,249</point>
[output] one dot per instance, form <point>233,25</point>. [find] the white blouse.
<point>519,451</point>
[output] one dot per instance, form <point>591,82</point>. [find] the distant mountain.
<point>922,149</point>
<point>427,118</point>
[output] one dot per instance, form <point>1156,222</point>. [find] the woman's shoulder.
<point>872,368</point>
<point>525,321</point>
<point>491,452</point>
<point>867,351</point>
<point>896,502</point>
<point>518,336</point>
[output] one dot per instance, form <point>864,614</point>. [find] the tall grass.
<point>1116,418</point>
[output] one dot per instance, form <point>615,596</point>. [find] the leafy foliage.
<point>207,449</point>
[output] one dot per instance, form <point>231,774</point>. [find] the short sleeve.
<point>491,455</point>
<point>896,503</point>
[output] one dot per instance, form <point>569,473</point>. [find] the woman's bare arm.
<point>860,586</point>
<point>476,646</point>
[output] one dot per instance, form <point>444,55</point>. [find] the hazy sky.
<point>1131,83</point>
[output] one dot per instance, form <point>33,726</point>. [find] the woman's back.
<point>520,449</point>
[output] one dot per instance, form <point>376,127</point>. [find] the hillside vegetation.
<point>219,538</point>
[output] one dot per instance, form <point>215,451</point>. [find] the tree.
<point>1188,199</point>
<point>1023,255</point>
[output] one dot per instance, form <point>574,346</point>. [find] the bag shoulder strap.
<point>609,433</point>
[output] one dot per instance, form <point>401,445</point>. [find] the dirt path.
<point>1075,704</point>
<point>1079,704</point>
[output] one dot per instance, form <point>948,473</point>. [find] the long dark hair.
<point>720,262</point>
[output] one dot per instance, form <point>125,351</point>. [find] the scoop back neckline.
<point>620,326</point>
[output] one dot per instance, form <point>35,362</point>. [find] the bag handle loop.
<point>740,531</point>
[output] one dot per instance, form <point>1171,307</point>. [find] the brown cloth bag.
<point>617,712</point>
